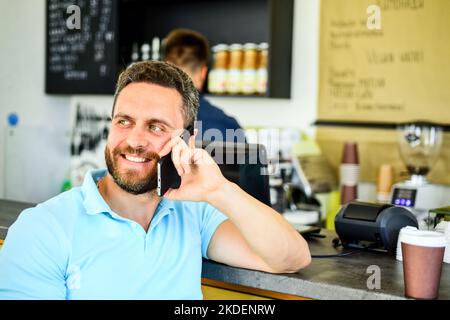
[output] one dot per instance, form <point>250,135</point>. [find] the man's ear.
<point>203,72</point>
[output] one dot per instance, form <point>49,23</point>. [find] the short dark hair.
<point>165,75</point>
<point>187,48</point>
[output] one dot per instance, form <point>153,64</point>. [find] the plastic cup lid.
<point>423,238</point>
<point>405,229</point>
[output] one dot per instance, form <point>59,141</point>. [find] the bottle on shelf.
<point>145,52</point>
<point>261,70</point>
<point>249,69</point>
<point>155,49</point>
<point>218,74</point>
<point>234,74</point>
<point>135,53</point>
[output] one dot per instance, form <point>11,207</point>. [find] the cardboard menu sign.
<point>395,73</point>
<point>399,72</point>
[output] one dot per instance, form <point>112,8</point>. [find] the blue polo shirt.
<point>74,246</point>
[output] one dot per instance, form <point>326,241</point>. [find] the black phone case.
<point>168,177</point>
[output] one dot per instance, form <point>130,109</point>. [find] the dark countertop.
<point>9,210</point>
<point>326,278</point>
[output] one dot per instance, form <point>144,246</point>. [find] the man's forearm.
<point>266,231</point>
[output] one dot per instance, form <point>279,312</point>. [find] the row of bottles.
<point>146,51</point>
<point>239,69</point>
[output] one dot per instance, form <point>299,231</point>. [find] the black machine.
<point>245,164</point>
<point>242,163</point>
<point>372,226</point>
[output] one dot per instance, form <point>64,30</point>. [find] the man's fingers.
<point>177,133</point>
<point>197,156</point>
<point>192,139</point>
<point>176,153</point>
<point>169,145</point>
<point>185,158</point>
<point>202,157</point>
<point>167,148</point>
<point>192,142</point>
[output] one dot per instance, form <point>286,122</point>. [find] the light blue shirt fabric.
<point>74,246</point>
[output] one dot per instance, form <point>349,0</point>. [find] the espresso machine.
<point>419,146</point>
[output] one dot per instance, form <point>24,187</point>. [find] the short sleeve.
<point>211,219</point>
<point>32,259</point>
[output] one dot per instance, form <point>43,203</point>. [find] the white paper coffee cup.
<point>403,230</point>
<point>424,238</point>
<point>423,253</point>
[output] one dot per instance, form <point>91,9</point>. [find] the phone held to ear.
<point>168,177</point>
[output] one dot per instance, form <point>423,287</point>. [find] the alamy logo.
<point>374,280</point>
<point>374,19</point>
<point>73,22</point>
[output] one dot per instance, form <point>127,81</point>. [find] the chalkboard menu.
<point>90,41</point>
<point>81,46</point>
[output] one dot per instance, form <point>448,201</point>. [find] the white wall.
<point>22,74</point>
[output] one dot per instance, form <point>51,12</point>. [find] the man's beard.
<point>129,181</point>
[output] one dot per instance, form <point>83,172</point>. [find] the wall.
<point>22,76</point>
<point>22,56</point>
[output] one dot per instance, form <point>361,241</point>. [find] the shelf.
<point>138,21</point>
<point>373,124</point>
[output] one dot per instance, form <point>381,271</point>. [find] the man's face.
<point>144,118</point>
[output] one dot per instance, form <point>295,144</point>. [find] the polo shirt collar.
<point>93,201</point>
<point>95,204</point>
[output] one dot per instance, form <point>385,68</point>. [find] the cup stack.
<point>349,173</point>
<point>384,183</point>
<point>402,232</point>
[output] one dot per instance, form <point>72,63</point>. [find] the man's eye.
<point>123,122</point>
<point>155,128</point>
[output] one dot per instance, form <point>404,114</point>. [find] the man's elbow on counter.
<point>301,263</point>
<point>301,260</point>
<point>297,263</point>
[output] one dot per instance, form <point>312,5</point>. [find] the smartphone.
<point>168,177</point>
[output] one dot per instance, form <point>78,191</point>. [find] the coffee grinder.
<point>419,147</point>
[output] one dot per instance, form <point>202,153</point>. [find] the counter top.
<point>9,210</point>
<point>328,278</point>
<point>325,278</point>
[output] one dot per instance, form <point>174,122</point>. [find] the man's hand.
<point>255,236</point>
<point>200,175</point>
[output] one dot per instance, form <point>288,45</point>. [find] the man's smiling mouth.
<point>135,158</point>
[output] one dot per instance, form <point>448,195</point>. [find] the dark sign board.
<point>81,46</point>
